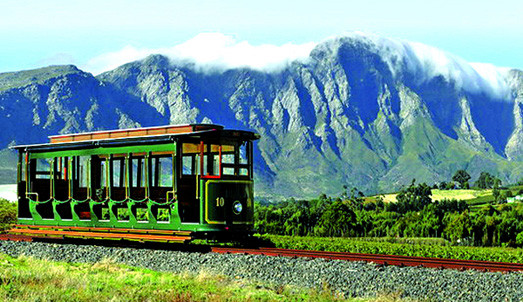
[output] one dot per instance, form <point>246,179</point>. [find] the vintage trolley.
<point>171,183</point>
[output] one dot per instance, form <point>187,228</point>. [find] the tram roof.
<point>136,136</point>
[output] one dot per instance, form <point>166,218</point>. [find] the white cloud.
<point>219,52</point>
<point>210,51</point>
<point>57,59</point>
<point>427,62</point>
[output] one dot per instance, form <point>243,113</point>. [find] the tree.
<point>413,198</point>
<point>459,226</point>
<point>337,220</point>
<point>485,181</point>
<point>461,176</point>
<point>496,193</point>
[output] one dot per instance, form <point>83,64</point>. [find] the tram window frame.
<point>42,173</point>
<point>100,176</point>
<point>117,164</point>
<point>157,177</point>
<point>62,178</point>
<point>236,164</point>
<point>22,167</point>
<point>81,176</point>
<point>228,158</point>
<point>81,171</point>
<point>138,175</point>
<point>138,171</point>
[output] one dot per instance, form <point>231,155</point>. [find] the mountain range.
<point>361,111</point>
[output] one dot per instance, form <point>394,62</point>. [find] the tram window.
<point>187,165</point>
<point>165,172</point>
<point>212,167</point>
<point>118,173</point>
<point>43,168</point>
<point>23,167</point>
<point>228,171</point>
<point>138,172</point>
<point>216,164</point>
<point>83,171</point>
<point>62,168</point>
<point>244,172</point>
<point>103,173</point>
<point>244,154</point>
<point>190,158</point>
<point>228,158</point>
<point>99,176</point>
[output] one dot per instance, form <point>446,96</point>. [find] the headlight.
<point>237,207</point>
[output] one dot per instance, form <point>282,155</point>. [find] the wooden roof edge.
<point>211,126</point>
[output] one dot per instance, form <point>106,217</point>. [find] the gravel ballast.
<point>351,279</point>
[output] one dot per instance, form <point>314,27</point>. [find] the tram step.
<point>99,235</point>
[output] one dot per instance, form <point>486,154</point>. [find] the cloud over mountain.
<point>211,52</point>
<point>428,62</point>
<point>217,52</point>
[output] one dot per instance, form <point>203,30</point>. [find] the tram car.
<point>170,184</point>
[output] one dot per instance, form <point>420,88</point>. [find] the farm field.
<point>472,197</point>
<point>465,195</point>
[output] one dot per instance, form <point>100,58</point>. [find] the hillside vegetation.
<point>482,218</point>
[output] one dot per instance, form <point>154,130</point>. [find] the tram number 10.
<point>220,202</point>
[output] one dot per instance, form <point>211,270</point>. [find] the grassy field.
<point>459,194</point>
<point>28,279</point>
<point>466,195</point>
<point>472,197</point>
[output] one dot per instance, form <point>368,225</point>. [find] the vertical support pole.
<point>237,147</point>
<point>177,164</point>
<point>110,175</point>
<point>220,160</point>
<point>149,174</point>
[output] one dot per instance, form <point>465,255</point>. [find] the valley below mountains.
<point>361,112</point>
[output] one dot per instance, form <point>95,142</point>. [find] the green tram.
<point>172,184</point>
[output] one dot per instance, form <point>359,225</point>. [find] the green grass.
<point>514,255</point>
<point>28,279</point>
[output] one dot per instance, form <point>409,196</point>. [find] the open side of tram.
<point>187,181</point>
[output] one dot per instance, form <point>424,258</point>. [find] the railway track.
<point>374,258</point>
<point>381,259</point>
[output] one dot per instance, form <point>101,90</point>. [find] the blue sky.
<point>40,33</point>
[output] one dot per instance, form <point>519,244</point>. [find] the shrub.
<point>8,214</point>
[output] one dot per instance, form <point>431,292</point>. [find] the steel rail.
<point>381,259</point>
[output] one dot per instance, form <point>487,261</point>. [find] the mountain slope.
<point>365,112</point>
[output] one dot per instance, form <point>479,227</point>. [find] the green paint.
<point>99,151</point>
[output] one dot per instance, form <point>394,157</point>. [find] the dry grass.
<point>459,194</point>
<point>446,194</point>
